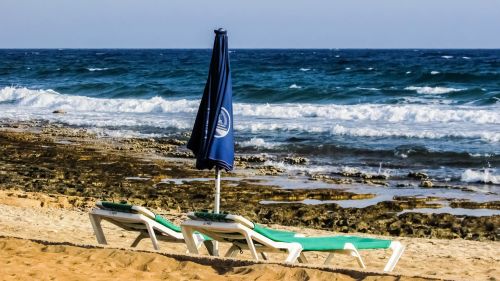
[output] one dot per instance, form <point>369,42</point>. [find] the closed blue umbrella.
<point>212,140</point>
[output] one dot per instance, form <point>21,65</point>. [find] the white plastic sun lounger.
<point>140,219</point>
<point>244,234</point>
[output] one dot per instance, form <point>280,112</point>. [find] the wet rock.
<point>180,154</point>
<point>173,141</point>
<point>426,184</point>
<point>352,174</point>
<point>269,170</point>
<point>417,175</point>
<point>59,111</point>
<point>330,179</point>
<point>375,182</point>
<point>295,160</point>
<point>495,205</point>
<point>261,158</point>
<point>374,176</point>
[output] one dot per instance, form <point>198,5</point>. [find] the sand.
<point>33,224</point>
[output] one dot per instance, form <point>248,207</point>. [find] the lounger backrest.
<point>206,216</point>
<point>127,208</point>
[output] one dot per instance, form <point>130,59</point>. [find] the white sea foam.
<point>301,168</point>
<point>97,69</point>
<point>257,142</point>
<point>305,69</point>
<point>480,154</point>
<point>368,89</point>
<point>433,90</point>
<point>466,58</point>
<point>295,86</point>
<point>408,72</point>
<point>483,176</point>
<point>370,131</point>
<point>50,99</point>
<point>447,57</point>
<point>434,72</point>
<point>371,120</point>
<point>347,68</point>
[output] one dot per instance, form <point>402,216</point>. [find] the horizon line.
<point>238,48</point>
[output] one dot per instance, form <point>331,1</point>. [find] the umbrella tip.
<point>220,31</point>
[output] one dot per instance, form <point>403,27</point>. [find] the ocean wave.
<point>257,142</point>
<point>434,72</point>
<point>295,86</point>
<point>305,69</point>
<point>97,69</point>
<point>433,90</point>
<point>368,89</point>
<point>447,57</point>
<point>481,176</point>
<point>374,112</point>
<point>337,129</point>
<point>51,100</point>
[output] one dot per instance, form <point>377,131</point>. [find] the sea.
<point>376,111</point>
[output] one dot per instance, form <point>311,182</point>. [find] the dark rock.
<point>251,158</point>
<point>295,160</point>
<point>426,184</point>
<point>418,175</point>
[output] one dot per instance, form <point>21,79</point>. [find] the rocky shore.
<point>159,173</point>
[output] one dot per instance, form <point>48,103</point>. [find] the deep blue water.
<point>430,110</point>
<point>261,76</point>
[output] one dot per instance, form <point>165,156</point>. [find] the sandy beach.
<point>56,242</point>
<point>46,234</point>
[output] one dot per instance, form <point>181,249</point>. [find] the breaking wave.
<point>51,100</point>
<point>481,176</point>
<point>433,90</point>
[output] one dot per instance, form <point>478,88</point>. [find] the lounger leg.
<point>188,234</point>
<point>138,239</point>
<point>96,225</point>
<point>264,256</point>
<point>215,248</point>
<point>354,252</point>
<point>233,250</point>
<point>152,235</point>
<point>329,258</point>
<point>302,258</point>
<point>293,254</point>
<point>198,240</point>
<point>251,246</point>
<point>397,251</point>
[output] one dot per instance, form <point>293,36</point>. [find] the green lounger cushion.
<point>269,232</point>
<point>163,221</point>
<point>117,206</point>
<point>326,243</point>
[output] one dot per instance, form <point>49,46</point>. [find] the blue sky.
<point>251,24</point>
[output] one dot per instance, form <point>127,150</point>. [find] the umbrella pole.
<point>216,206</point>
<point>217,191</point>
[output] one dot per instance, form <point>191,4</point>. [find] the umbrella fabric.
<point>212,140</point>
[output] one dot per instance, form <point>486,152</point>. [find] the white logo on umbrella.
<point>224,124</point>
